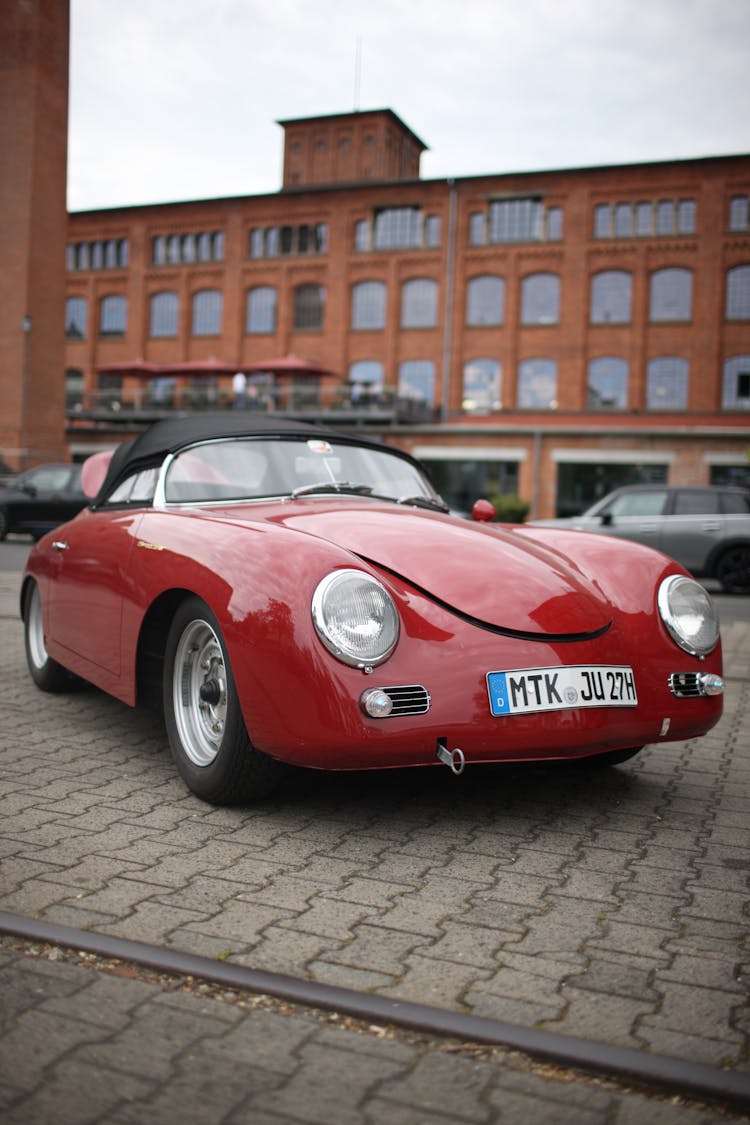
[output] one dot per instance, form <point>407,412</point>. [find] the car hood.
<point>496,575</point>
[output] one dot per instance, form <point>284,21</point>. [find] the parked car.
<point>304,597</point>
<point>39,499</point>
<point>707,530</point>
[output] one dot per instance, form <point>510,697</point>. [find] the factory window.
<point>485,299</point>
<point>671,295</point>
<point>113,315</point>
<point>611,296</point>
<point>540,299</point>
<point>368,305</point>
<point>261,310</point>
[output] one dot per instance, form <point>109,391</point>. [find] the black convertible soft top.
<point>171,434</point>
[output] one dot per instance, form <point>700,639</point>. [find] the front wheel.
<point>733,570</point>
<point>206,731</point>
<point>46,673</point>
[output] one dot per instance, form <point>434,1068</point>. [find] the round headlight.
<point>689,615</point>
<point>355,618</point>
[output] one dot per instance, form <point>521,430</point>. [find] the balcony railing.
<point>334,404</point>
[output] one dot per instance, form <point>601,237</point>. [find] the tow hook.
<point>454,759</point>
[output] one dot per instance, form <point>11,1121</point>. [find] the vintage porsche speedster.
<point>302,596</point>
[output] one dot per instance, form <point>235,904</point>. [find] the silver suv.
<point>707,530</point>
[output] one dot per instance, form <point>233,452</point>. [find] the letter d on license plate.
<point>557,689</point>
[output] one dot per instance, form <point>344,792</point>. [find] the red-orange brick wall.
<point>33,144</point>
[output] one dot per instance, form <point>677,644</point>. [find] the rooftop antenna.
<point>357,71</point>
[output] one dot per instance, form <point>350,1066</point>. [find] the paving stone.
<point>699,1048</point>
<point>601,1017</point>
<point>152,922</point>
<point>455,1087</point>
<point>344,976</point>
<point>315,1092</point>
<point>706,971</point>
<point>376,947</point>
<point>422,910</point>
<point>78,1090</point>
<point>441,984</point>
<point>617,977</point>
<point>335,919</point>
<point>693,1009</point>
<point>464,944</point>
<point>279,949</point>
<point>611,906</point>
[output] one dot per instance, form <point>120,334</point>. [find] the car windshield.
<point>250,469</point>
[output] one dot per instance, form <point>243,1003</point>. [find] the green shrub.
<point>510,509</point>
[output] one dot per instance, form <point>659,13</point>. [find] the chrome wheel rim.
<point>35,630</point>
<point>199,693</point>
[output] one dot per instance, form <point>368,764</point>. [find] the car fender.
<point>258,582</point>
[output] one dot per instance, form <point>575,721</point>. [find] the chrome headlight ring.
<point>689,615</point>
<point>355,618</point>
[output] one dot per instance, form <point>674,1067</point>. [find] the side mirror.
<point>29,489</point>
<point>606,518</point>
<point>483,511</point>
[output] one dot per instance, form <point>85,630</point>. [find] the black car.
<point>40,499</point>
<point>705,529</point>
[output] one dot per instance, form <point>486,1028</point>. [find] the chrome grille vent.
<point>408,699</point>
<point>686,685</point>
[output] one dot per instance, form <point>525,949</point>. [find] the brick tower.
<point>33,164</point>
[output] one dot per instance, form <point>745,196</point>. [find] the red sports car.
<point>304,596</point>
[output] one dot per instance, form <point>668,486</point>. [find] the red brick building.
<point>33,162</point>
<point>552,333</point>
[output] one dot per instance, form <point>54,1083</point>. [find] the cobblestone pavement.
<point>608,905</point>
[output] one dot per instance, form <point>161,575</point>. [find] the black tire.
<point>46,673</point>
<point>733,570</point>
<point>206,731</point>
<point>3,524</point>
<point>610,757</point>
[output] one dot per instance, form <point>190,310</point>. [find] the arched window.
<point>164,308</point>
<point>537,384</point>
<point>113,315</point>
<point>671,295</point>
<point>416,380</point>
<point>738,293</point>
<point>309,302</point>
<point>611,297</point>
<point>485,300</point>
<point>540,299</point>
<point>75,318</point>
<point>481,390</point>
<point>368,305</point>
<point>366,371</point>
<point>667,383</point>
<point>419,299</point>
<point>736,391</point>
<point>261,310</point>
<point>207,309</point>
<point>608,384</point>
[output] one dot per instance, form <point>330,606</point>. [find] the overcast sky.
<point>179,99</point>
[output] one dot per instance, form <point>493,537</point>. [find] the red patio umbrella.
<point>129,367</point>
<point>210,366</point>
<point>287,365</point>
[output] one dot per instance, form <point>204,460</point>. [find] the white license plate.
<point>558,689</point>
